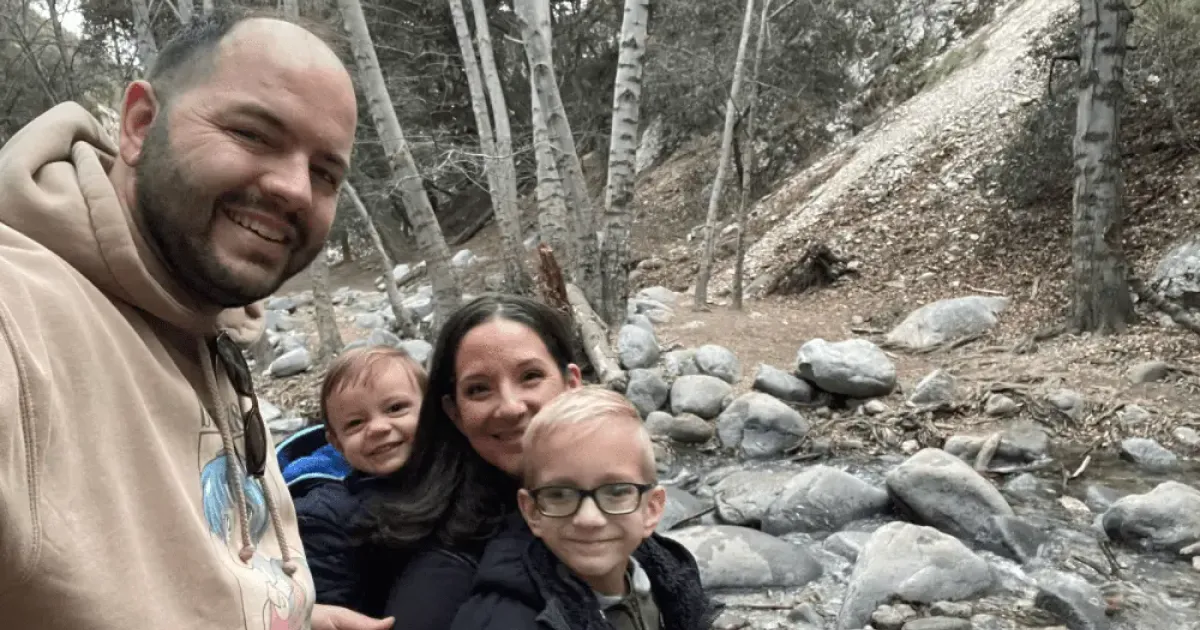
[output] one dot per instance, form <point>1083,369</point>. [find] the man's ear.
<point>574,376</point>
<point>656,505</point>
<point>451,410</point>
<point>139,109</point>
<point>533,518</point>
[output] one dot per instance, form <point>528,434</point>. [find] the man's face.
<point>237,179</point>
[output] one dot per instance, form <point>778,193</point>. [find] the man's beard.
<point>181,232</point>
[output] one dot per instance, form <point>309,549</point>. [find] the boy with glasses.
<point>586,556</point>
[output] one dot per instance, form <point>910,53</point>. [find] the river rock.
<point>1000,406</point>
<point>290,364</point>
<point>1177,275</point>
<point>637,347</point>
<point>740,557</point>
<point>464,258</point>
<point>658,423</point>
<point>856,367</point>
<point>943,491</point>
<point>700,394</point>
<point>962,610</point>
<point>744,495</point>
<point>1068,401</point>
<point>1099,498</point>
<point>1148,454</point>
<point>782,385</point>
<point>641,321</point>
<point>1020,443</point>
<point>947,320</point>
<point>760,425</point>
<point>420,305</point>
<point>823,499</point>
<point>915,564</point>
<point>1148,372</point>
<point>647,391</point>
<point>419,349</point>
<point>1167,517</point>
<point>286,303</point>
<point>690,429</point>
<point>847,544</point>
<point>659,294</point>
<point>279,321</point>
<point>678,363</point>
<point>719,362</point>
<point>1133,415</point>
<point>382,337</point>
<point>681,505</point>
<point>937,387</point>
<point>1187,436</point>
<point>892,617</point>
<point>938,623</point>
<point>1072,599</point>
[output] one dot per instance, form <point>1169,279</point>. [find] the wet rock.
<point>690,429</point>
<point>1025,486</point>
<point>947,320</point>
<point>1148,372</point>
<point>1069,402</point>
<point>681,505</point>
<point>1167,517</point>
<point>637,347</point>
<point>419,349</point>
<point>1020,443</point>
<point>290,364</point>
<point>847,544</point>
<point>892,617</point>
<point>943,491</point>
<point>961,610</point>
<point>1000,406</point>
<point>719,362</point>
<point>823,499</point>
<point>647,391</point>
<point>700,394</point>
<point>1012,537</point>
<point>1072,599</point>
<point>759,425</point>
<point>937,387</point>
<point>1187,436</point>
<point>1148,454</point>
<point>938,623</point>
<point>744,496</point>
<point>915,564</point>
<point>856,368</point>
<point>1133,415</point>
<point>739,557</point>
<point>782,385</point>
<point>1099,498</point>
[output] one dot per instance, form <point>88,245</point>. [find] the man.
<point>137,488</point>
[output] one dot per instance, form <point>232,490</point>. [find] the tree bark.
<point>329,338</point>
<point>627,100</point>
<point>147,49</point>
<point>534,16</point>
<point>185,9</point>
<point>507,210</point>
<point>554,222</point>
<point>61,44</point>
<point>446,291</point>
<point>714,202</point>
<point>1102,302</point>
<point>291,7</point>
<point>404,319</point>
<point>595,341</point>
<point>749,162</point>
<point>503,194</point>
<point>207,7</point>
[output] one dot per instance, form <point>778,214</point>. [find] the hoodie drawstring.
<point>237,476</point>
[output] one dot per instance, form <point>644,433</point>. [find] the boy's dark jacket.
<point>520,585</point>
<point>330,498</point>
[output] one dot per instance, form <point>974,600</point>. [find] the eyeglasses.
<point>254,432</point>
<point>614,499</point>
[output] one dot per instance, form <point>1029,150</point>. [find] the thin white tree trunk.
<point>627,100</point>
<point>534,16</point>
<point>1102,302</point>
<point>185,9</point>
<point>147,48</point>
<point>328,336</point>
<point>291,7</point>
<point>430,241</point>
<point>554,222</point>
<point>750,161</point>
<point>404,318</point>
<point>207,7</point>
<point>503,194</point>
<point>506,168</point>
<point>714,202</point>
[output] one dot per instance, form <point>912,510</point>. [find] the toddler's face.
<point>594,543</point>
<point>373,423</point>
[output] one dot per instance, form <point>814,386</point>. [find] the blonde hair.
<point>357,366</point>
<point>594,406</point>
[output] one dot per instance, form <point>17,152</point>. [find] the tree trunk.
<point>186,9</point>
<point>147,49</point>
<point>330,339</point>
<point>207,7</point>
<point>503,194</point>
<point>291,7</point>
<point>347,249</point>
<point>446,292</point>
<point>627,100</point>
<point>534,16</point>
<point>1102,303</point>
<point>506,168</point>
<point>731,110</point>
<point>404,319</point>
<point>749,162</point>
<point>554,222</point>
<point>60,42</point>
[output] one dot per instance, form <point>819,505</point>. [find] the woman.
<point>497,361</point>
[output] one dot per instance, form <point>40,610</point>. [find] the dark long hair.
<point>446,490</point>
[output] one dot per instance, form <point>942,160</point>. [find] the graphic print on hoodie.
<point>119,501</point>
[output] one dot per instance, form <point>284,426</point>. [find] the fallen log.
<point>595,341</point>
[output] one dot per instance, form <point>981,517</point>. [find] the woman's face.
<point>503,376</point>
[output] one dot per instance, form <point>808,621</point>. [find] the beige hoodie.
<point>116,503</point>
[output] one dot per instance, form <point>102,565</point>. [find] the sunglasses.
<point>615,499</point>
<point>254,432</point>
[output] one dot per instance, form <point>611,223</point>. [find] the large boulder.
<point>823,499</point>
<point>637,347</point>
<point>1167,517</point>
<point>740,557</point>
<point>1178,274</point>
<point>700,394</point>
<point>856,367</point>
<point>943,491</point>
<point>947,320</point>
<point>760,425</point>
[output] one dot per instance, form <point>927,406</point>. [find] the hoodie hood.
<point>55,189</point>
